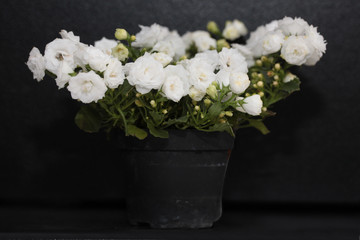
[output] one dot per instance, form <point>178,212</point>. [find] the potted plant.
<point>178,101</point>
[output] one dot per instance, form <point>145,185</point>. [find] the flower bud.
<point>138,95</point>
<point>222,121</point>
<point>261,94</point>
<point>264,109</point>
<point>222,43</point>
<point>120,51</point>
<point>207,102</point>
<point>195,112</point>
<point>276,77</point>
<point>121,34</point>
<point>275,83</point>
<point>229,113</point>
<point>138,103</point>
<point>153,103</point>
<point>132,38</point>
<point>254,75</point>
<point>202,115</point>
<point>164,111</point>
<point>260,83</point>
<point>213,27</point>
<point>212,91</point>
<point>197,108</point>
<point>194,102</point>
<point>258,63</point>
<point>264,58</point>
<point>222,114</point>
<point>277,67</point>
<point>247,94</point>
<point>260,76</point>
<point>254,85</point>
<point>183,58</point>
<point>270,73</point>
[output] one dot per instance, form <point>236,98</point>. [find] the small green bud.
<point>275,83</point>
<point>222,43</point>
<point>264,109</point>
<point>264,58</point>
<point>258,63</point>
<point>260,84</point>
<point>254,85</point>
<point>153,103</point>
<point>138,103</point>
<point>254,75</point>
<point>261,94</point>
<point>222,121</point>
<point>229,113</point>
<point>213,27</point>
<point>212,91</point>
<point>194,102</point>
<point>197,108</point>
<point>247,94</point>
<point>202,115</point>
<point>195,112</point>
<point>260,76</point>
<point>207,101</point>
<point>121,34</point>
<point>276,77</point>
<point>132,38</point>
<point>164,111</point>
<point>222,114</point>
<point>277,66</point>
<point>270,73</point>
<point>138,95</point>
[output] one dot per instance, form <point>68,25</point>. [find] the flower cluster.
<point>158,79</point>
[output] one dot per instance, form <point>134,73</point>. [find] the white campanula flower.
<point>114,75</point>
<point>60,50</point>
<point>234,30</point>
<point>93,56</point>
<point>252,105</point>
<point>62,74</point>
<point>196,94</point>
<point>272,42</point>
<point>239,82</point>
<point>289,77</point>
<point>163,58</point>
<point>209,56</point>
<point>149,36</point>
<point>164,47</point>
<point>201,73</point>
<point>245,51</point>
<point>203,41</point>
<point>69,35</point>
<point>146,73</point>
<point>36,64</point>
<point>232,59</point>
<point>176,84</point>
<point>187,39</point>
<point>293,26</point>
<point>105,45</point>
<point>254,43</point>
<point>272,26</point>
<point>172,45</point>
<point>296,50</point>
<point>87,87</point>
<point>318,43</point>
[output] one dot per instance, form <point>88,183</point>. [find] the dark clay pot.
<point>176,182</point>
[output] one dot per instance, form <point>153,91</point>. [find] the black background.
<point>311,155</point>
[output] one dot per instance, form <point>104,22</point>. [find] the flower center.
<point>87,87</point>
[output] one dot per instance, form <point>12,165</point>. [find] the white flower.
<point>114,75</point>
<point>105,45</point>
<point>149,36</point>
<point>69,35</point>
<point>164,47</point>
<point>289,77</point>
<point>93,56</point>
<point>290,26</point>
<point>173,45</point>
<point>319,44</point>
<point>209,56</point>
<point>232,59</point>
<point>146,73</point>
<point>252,105</point>
<point>296,50</point>
<point>120,51</point>
<point>272,26</point>
<point>163,58</point>
<point>36,64</point>
<point>245,51</point>
<point>272,42</point>
<point>254,43</point>
<point>201,73</point>
<point>87,87</point>
<point>176,83</point>
<point>57,51</point>
<point>62,74</point>
<point>196,94</point>
<point>203,40</point>
<point>239,82</point>
<point>187,39</point>
<point>234,30</point>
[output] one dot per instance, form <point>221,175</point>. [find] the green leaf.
<point>291,86</point>
<point>88,119</point>
<point>161,133</point>
<point>137,132</point>
<point>156,117</point>
<point>182,119</point>
<point>222,127</point>
<point>259,125</point>
<point>214,110</point>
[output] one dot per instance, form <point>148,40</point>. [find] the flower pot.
<point>176,182</point>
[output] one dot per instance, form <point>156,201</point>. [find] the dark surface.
<point>311,155</point>
<point>248,222</point>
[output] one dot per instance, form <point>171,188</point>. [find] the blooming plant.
<point>157,80</point>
